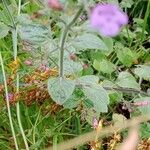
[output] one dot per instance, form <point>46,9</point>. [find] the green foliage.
<point>104,66</point>
<point>3,30</point>
<point>89,41</point>
<point>143,71</point>
<point>34,33</point>
<point>60,89</point>
<point>145,130</point>
<point>102,73</point>
<point>95,92</point>
<point>126,80</point>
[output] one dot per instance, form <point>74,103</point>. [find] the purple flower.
<point>95,123</point>
<point>10,96</point>
<point>108,19</point>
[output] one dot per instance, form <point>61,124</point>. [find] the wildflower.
<point>141,103</point>
<point>10,96</point>
<point>28,62</point>
<point>95,123</point>
<point>108,19</point>
<point>43,68</point>
<point>54,4</point>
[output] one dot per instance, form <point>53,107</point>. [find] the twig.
<point>128,90</point>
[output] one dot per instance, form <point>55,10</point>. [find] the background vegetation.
<point>95,82</point>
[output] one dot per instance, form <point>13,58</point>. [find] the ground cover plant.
<point>74,74</point>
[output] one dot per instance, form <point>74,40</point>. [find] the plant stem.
<point>7,102</point>
<point>15,41</point>
<point>63,40</point>
<point>127,90</point>
<point>14,38</point>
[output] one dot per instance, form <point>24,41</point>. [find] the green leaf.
<point>87,71</point>
<point>126,56</point>
<point>3,30</point>
<point>126,80</point>
<point>24,19</point>
<point>107,66</point>
<point>126,3</point>
<point>144,109</point>
<point>33,33</point>
<point>88,80</point>
<point>98,95</point>
<point>143,72</point>
<point>60,89</point>
<point>73,101</point>
<point>98,55</point>
<point>89,41</point>
<point>109,43</point>
<point>96,65</point>
<point>71,67</point>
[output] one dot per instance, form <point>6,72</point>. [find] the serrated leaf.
<point>60,89</point>
<point>144,109</point>
<point>98,96</point>
<point>88,80</point>
<point>126,80</point>
<point>71,67</point>
<point>143,72</point>
<point>3,30</point>
<point>89,41</point>
<point>33,33</point>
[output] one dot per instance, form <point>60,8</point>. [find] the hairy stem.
<point>63,40</point>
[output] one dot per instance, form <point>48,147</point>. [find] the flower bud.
<point>73,57</point>
<point>28,62</point>
<point>54,4</point>
<point>85,66</point>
